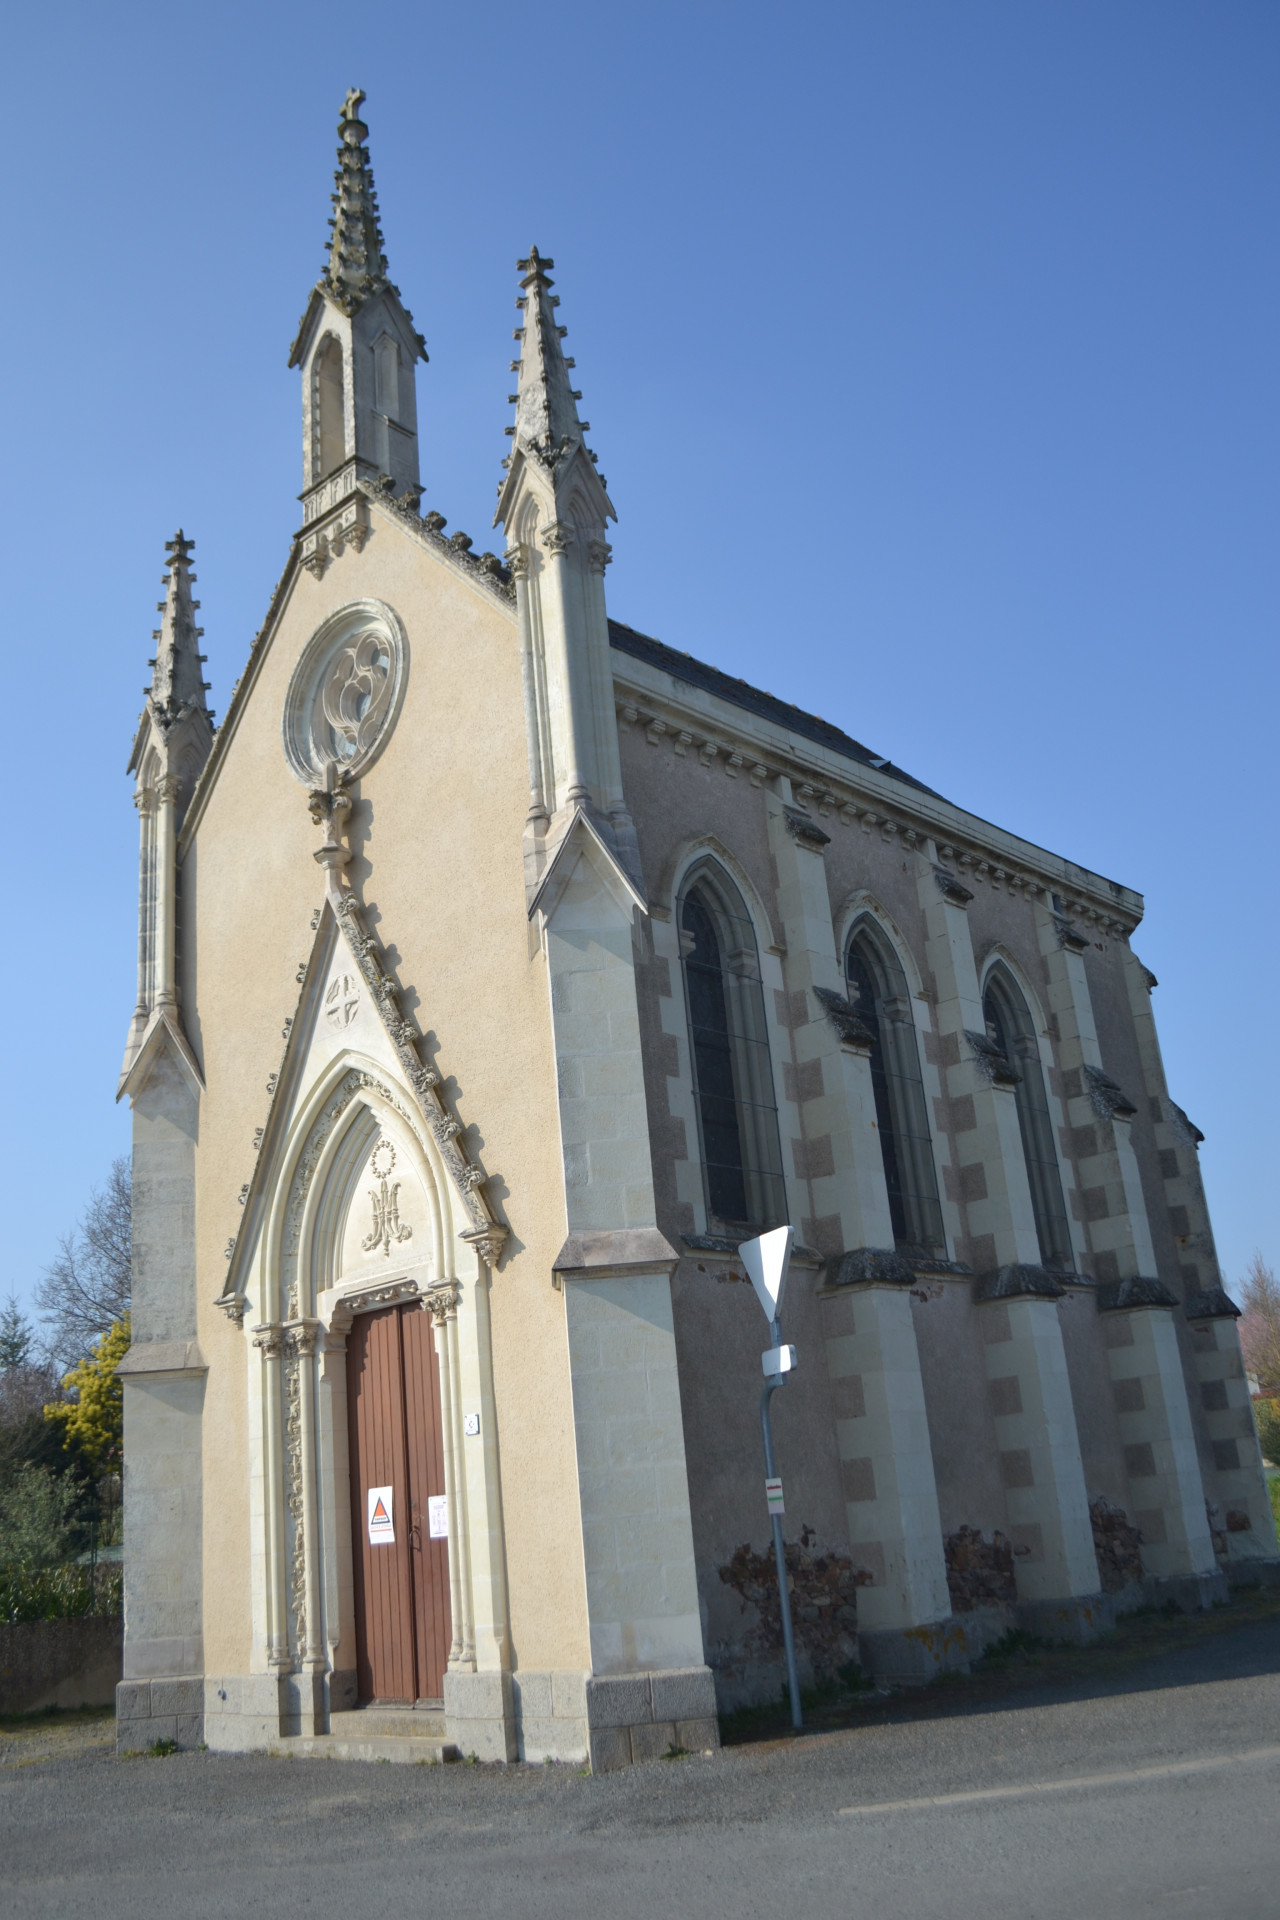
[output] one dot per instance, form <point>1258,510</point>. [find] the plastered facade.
<point>415,1025</point>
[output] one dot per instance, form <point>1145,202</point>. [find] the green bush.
<point>59,1593</point>
<point>37,1518</point>
<point>1267,1415</point>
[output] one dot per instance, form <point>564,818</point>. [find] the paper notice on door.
<point>382,1532</point>
<point>438,1516</point>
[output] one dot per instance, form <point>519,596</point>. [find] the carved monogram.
<point>388,1229</point>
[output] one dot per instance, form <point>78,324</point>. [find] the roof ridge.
<point>767,706</point>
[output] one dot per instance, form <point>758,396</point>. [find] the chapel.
<point>501,971</point>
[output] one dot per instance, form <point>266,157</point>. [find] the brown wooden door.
<point>403,1626</point>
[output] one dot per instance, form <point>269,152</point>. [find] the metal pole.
<point>779,1548</point>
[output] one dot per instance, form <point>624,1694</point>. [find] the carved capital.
<point>305,1338</point>
<point>233,1305</point>
<point>270,1339</point>
<point>329,806</point>
<point>167,789</point>
<point>517,560</point>
<point>599,554</point>
<point>487,1241</point>
<point>442,1302</point>
<point>557,538</point>
<point>145,800</point>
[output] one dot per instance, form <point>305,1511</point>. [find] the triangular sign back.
<point>766,1260</point>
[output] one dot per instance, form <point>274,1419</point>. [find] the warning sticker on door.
<point>382,1531</point>
<point>438,1516</point>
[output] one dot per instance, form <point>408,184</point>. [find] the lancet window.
<point>1010,1026</point>
<point>729,1044</point>
<point>330,434</point>
<point>878,990</point>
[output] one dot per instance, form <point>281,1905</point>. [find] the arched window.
<point>728,1040</point>
<point>331,433</point>
<point>878,989</point>
<point>1010,1025</point>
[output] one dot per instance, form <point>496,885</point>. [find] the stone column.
<point>145,801</point>
<point>166,892</point>
<point>1027,1385</point>
<point>442,1305</point>
<point>1177,1146</point>
<point>335,1499</point>
<point>311,1654</point>
<point>1029,1395</point>
<point>1166,1495</point>
<point>905,1630</point>
<point>269,1341</point>
<point>1098,1113</point>
<point>1239,1509</point>
<point>163,1378</point>
<point>645,1657</point>
<point>883,1435</point>
<point>978,1083</point>
<point>840,1154</point>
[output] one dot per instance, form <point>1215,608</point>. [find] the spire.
<point>357,265</point>
<point>177,684</point>
<point>357,346</point>
<point>547,429</point>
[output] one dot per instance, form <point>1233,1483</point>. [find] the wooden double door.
<point>403,1625</point>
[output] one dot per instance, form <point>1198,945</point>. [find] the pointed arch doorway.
<point>400,1571</point>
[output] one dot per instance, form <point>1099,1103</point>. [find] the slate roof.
<point>696,673</point>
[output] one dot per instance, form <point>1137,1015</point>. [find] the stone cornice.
<point>692,721</point>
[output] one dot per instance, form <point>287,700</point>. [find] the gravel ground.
<point>1134,1791</point>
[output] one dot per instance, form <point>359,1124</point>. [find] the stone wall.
<point>60,1663</point>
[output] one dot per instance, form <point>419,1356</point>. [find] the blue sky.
<point>929,350</point>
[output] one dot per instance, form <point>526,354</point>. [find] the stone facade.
<point>541,993</point>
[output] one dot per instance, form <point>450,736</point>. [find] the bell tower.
<point>357,346</point>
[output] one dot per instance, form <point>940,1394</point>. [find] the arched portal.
<point>366,1519</point>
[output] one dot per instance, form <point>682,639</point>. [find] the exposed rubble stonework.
<point>1117,1544</point>
<point>501,970</point>
<point>979,1571</point>
<point>823,1585</point>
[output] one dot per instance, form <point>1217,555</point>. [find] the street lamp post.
<point>766,1260</point>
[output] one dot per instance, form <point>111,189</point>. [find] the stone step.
<point>404,1723</point>
<point>420,1751</point>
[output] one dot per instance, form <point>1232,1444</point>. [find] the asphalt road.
<point>1152,1792</point>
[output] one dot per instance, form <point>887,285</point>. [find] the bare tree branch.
<point>85,1290</point>
<point>1260,1323</point>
